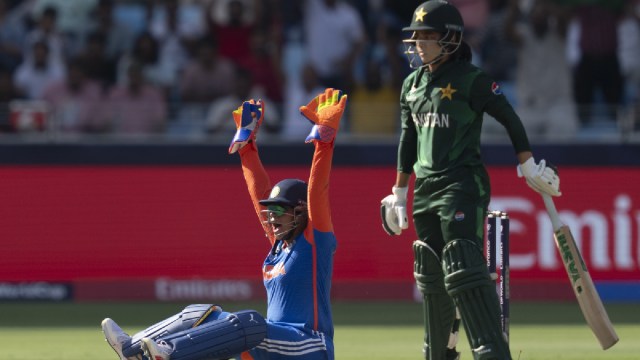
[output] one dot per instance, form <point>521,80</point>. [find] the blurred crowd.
<point>179,67</point>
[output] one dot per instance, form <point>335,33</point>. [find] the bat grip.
<point>553,213</point>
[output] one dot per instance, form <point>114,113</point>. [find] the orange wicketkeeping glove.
<point>248,118</point>
<point>325,112</point>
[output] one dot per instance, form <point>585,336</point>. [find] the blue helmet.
<point>290,192</point>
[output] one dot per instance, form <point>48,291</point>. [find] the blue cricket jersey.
<point>298,282</point>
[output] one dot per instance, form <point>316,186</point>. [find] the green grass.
<point>363,330</point>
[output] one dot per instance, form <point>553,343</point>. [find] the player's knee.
<point>196,314</point>
<point>464,266</point>
<point>191,316</point>
<point>254,325</point>
<point>427,269</point>
<point>220,339</point>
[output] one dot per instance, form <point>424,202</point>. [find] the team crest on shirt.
<point>495,89</point>
<point>447,92</point>
<point>459,216</point>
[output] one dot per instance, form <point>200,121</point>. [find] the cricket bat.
<point>586,293</point>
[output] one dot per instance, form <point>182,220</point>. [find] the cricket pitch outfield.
<point>371,331</point>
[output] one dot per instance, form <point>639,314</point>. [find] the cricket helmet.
<point>289,192</point>
<point>437,15</point>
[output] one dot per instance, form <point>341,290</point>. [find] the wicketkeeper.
<point>442,105</point>
<point>297,270</point>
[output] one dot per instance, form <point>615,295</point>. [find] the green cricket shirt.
<point>441,114</point>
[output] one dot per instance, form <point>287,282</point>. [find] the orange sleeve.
<point>318,196</point>
<point>258,182</point>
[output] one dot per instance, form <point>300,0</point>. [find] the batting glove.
<point>248,118</point>
<point>325,112</point>
<point>394,211</point>
<point>540,177</point>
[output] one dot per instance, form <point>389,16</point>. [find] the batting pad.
<point>439,310</point>
<point>468,282</point>
<point>191,316</point>
<point>219,339</point>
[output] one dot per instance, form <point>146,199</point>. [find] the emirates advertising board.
<point>190,233</point>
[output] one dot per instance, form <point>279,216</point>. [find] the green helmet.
<point>437,15</point>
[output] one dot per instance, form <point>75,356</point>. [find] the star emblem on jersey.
<point>420,14</point>
<point>447,92</point>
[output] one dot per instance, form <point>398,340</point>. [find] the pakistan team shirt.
<point>442,114</point>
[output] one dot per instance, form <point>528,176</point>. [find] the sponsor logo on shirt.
<point>433,120</point>
<point>495,89</point>
<point>459,216</point>
<point>273,271</point>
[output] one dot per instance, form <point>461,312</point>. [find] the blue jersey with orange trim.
<point>290,275</point>
<point>297,277</point>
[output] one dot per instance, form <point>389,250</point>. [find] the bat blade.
<point>584,289</point>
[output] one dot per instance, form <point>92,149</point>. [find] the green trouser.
<point>451,209</point>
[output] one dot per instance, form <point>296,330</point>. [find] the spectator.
<point>46,31</point>
<point>136,107</point>
<point>233,36</point>
<point>181,18</point>
<point>300,94</point>
<point>543,78</point>
<point>390,35</point>
<point>629,54</point>
<point>592,47</point>
<point>156,69</point>
<point>475,14</point>
<point>263,67</point>
<point>98,65</point>
<point>12,37</point>
<point>208,76</point>
<point>629,44</point>
<point>72,20</point>
<point>374,108</point>
<point>38,71</point>
<point>291,47</point>
<point>243,89</point>
<point>118,37</point>
<point>8,93</point>
<point>335,37</point>
<point>497,55</point>
<point>75,101</point>
<point>176,27</point>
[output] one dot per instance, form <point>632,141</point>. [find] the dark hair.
<point>155,50</point>
<point>97,37</point>
<point>50,11</point>
<point>463,53</point>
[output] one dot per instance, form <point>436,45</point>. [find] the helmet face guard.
<point>283,226</point>
<point>434,50</point>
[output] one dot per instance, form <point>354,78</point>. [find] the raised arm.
<point>325,111</point>
<point>248,118</point>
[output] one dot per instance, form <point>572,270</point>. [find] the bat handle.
<point>553,213</point>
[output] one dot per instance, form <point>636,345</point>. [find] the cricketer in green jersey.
<point>442,105</point>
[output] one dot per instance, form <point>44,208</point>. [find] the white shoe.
<point>116,337</point>
<point>156,350</point>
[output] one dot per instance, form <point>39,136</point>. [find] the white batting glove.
<point>394,211</point>
<point>540,177</point>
